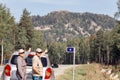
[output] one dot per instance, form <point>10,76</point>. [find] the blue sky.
<point>43,7</point>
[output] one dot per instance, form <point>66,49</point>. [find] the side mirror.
<point>55,66</point>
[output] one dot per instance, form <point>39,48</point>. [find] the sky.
<point>43,7</point>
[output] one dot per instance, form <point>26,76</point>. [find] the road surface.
<point>61,69</point>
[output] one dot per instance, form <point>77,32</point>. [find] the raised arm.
<point>43,53</point>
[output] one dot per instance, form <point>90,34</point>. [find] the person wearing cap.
<point>37,67</point>
<point>21,65</point>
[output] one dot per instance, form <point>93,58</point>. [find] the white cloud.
<point>57,2</point>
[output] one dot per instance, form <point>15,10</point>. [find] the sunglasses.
<point>39,52</point>
<point>22,53</point>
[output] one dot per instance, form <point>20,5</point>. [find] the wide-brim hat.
<point>21,51</point>
<point>38,50</point>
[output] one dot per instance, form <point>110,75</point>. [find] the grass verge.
<point>83,72</point>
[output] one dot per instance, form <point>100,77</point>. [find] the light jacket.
<point>37,65</point>
<point>21,67</point>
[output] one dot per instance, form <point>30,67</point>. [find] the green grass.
<point>83,72</point>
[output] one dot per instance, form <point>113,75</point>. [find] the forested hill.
<point>61,25</point>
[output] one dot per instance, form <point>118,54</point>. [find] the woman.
<point>21,65</point>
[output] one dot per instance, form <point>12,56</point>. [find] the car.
<point>9,72</point>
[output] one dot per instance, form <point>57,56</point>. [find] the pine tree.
<point>7,26</point>
<point>99,46</point>
<point>26,29</point>
<point>7,31</point>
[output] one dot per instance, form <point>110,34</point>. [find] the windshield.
<point>29,60</point>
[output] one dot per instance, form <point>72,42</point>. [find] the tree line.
<point>16,35</point>
<point>102,47</point>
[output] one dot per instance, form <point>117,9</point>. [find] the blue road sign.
<point>70,49</point>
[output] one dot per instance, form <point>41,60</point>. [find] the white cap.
<point>38,50</point>
<point>21,51</point>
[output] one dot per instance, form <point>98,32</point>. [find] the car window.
<point>29,60</point>
<point>14,59</point>
<point>44,61</point>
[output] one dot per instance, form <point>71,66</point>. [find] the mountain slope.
<point>62,25</point>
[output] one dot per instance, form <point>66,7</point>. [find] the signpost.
<point>72,50</point>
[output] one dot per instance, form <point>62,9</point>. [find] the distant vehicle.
<point>55,66</point>
<point>9,72</point>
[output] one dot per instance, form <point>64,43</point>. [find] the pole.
<point>74,64</point>
<point>45,39</point>
<point>2,53</point>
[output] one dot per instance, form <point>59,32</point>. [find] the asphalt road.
<point>61,69</point>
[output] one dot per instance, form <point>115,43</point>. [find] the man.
<point>37,67</point>
<point>21,65</point>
